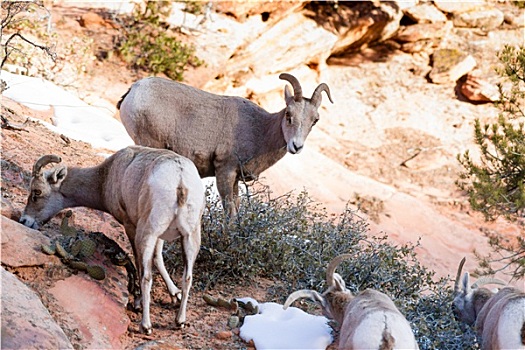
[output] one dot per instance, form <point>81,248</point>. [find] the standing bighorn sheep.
<point>156,194</point>
<point>369,320</point>
<point>499,318</point>
<point>228,137</point>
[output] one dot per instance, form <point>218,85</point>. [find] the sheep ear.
<point>465,283</point>
<point>56,175</point>
<point>339,283</point>
<point>287,94</point>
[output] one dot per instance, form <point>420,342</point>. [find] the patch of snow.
<point>72,117</point>
<point>276,328</point>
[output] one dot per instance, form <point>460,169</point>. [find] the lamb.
<point>369,320</point>
<point>499,318</point>
<point>228,137</point>
<point>156,195</point>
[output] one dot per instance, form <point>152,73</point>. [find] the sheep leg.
<point>159,263</point>
<point>137,297</point>
<point>145,243</point>
<point>229,190</point>
<point>191,242</point>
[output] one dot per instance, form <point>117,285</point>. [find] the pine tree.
<point>495,186</point>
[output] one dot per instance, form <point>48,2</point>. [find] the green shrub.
<point>147,43</point>
<point>291,240</point>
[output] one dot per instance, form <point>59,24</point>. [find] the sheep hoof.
<point>145,330</point>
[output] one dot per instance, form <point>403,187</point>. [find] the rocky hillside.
<point>408,78</point>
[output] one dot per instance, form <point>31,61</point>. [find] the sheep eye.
<point>288,117</point>
<point>315,122</point>
<point>35,195</point>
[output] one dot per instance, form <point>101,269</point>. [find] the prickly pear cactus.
<point>78,265</point>
<point>88,247</point>
<point>49,249</point>
<point>97,272</point>
<point>64,226</point>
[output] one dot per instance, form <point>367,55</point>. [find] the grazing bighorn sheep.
<point>228,137</point>
<point>369,320</point>
<point>156,194</point>
<point>499,318</point>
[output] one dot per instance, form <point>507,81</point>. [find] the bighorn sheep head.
<point>468,300</point>
<point>295,127</point>
<point>44,200</point>
<point>330,300</point>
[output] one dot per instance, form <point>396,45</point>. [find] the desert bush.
<point>24,35</point>
<point>495,184</point>
<point>291,239</point>
<point>146,42</point>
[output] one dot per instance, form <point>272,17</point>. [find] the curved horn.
<point>297,90</point>
<point>304,293</point>
<point>333,265</point>
<point>316,96</point>
<point>43,161</point>
<point>458,275</point>
<point>487,280</point>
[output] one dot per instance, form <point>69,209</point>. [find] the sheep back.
<point>367,317</point>
<point>502,319</point>
<point>199,125</point>
<point>136,182</point>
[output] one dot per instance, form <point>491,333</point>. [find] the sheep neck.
<point>83,187</point>
<point>271,141</point>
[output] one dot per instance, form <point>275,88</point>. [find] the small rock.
<point>448,65</point>
<point>224,335</point>
<point>515,20</point>
<point>423,31</point>
<point>425,13</point>
<point>233,321</point>
<point>92,20</point>
<point>458,6</point>
<point>486,19</point>
<point>477,89</point>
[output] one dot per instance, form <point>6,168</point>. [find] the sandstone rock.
<point>375,25</point>
<point>477,89</point>
<point>448,65</point>
<point>98,309</point>
<point>26,323</point>
<point>224,335</point>
<point>92,20</point>
<point>298,40</point>
<point>514,19</point>
<point>21,246</point>
<point>243,9</point>
<point>487,19</point>
<point>423,31</point>
<point>425,13</point>
<point>458,6</point>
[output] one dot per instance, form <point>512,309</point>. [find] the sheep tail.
<point>122,98</point>
<point>387,340</point>
<point>182,195</point>
<point>523,333</point>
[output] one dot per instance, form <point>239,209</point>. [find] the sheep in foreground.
<point>228,137</point>
<point>156,194</point>
<point>499,318</point>
<point>369,320</point>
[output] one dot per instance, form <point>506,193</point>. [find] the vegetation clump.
<point>291,239</point>
<point>147,43</point>
<point>495,184</point>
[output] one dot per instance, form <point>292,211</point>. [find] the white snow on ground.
<point>273,327</point>
<point>72,117</point>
